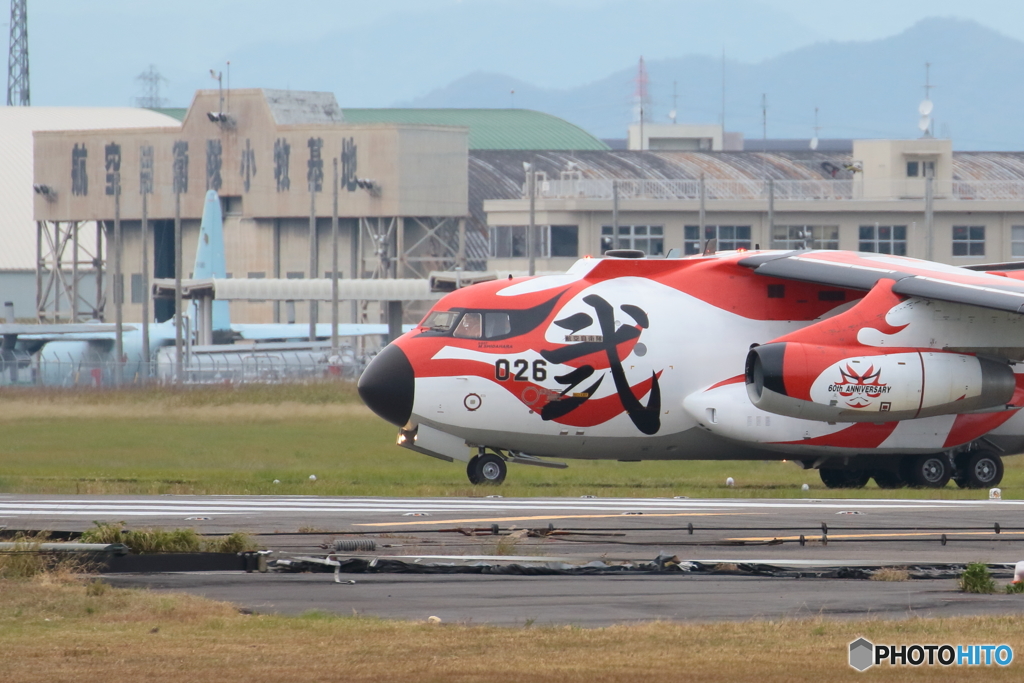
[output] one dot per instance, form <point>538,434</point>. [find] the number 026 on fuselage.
<point>859,365</point>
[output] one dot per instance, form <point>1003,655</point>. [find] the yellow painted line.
<point>526,519</point>
<point>814,535</point>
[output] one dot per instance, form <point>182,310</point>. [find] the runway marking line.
<point>526,519</point>
<point>892,535</point>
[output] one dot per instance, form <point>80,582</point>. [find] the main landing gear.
<point>980,469</point>
<point>975,469</point>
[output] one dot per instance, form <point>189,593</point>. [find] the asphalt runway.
<point>849,533</point>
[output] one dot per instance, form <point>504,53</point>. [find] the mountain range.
<point>860,89</point>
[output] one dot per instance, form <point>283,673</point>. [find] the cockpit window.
<point>482,323</point>
<point>496,325</point>
<point>441,320</point>
<point>469,327</point>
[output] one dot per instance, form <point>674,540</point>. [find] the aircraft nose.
<point>387,385</point>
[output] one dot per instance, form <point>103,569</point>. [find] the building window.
<point>509,241</point>
<point>295,275</point>
<point>883,239</point>
<point>1017,242</point>
<point>255,276</point>
<point>805,237</point>
<point>968,240</point>
<point>730,237</point>
<point>328,276</point>
<point>917,169</point>
<point>564,240</point>
<point>649,239</point>
<point>138,290</point>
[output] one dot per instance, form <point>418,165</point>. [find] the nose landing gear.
<point>486,468</point>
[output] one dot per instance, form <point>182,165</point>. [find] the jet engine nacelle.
<point>825,383</point>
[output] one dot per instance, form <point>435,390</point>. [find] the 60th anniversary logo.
<point>864,654</point>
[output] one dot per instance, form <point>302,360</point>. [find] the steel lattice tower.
<point>17,58</point>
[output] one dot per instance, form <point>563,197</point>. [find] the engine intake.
<point>825,383</point>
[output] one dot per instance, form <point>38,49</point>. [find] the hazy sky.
<point>386,51</point>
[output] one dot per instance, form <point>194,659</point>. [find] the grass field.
<point>66,629</point>
<point>238,441</point>
<point>58,627</point>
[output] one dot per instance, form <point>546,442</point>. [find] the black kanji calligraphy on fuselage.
<point>646,418</point>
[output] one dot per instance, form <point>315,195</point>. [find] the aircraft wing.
<point>41,334</point>
<point>31,338</point>
<point>260,332</point>
<point>912,277</point>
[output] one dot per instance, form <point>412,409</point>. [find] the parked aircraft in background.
<point>84,353</point>
<point>859,365</point>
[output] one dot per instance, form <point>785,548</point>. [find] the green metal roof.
<point>174,112</point>
<point>491,128</point>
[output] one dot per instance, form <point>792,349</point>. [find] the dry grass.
<point>147,541</point>
<point>25,561</point>
<point>56,629</point>
<point>891,574</point>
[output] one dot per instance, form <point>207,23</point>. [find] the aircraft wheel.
<point>857,479</point>
<point>833,479</point>
<point>888,480</point>
<point>471,470</point>
<point>487,469</point>
<point>843,479</point>
<point>932,470</point>
<point>983,470</point>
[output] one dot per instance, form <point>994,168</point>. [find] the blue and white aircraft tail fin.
<point>210,260</point>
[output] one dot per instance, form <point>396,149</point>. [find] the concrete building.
<point>404,204</point>
<point>425,190</point>
<point>682,137</point>
<point>270,155</point>
<point>874,199</point>
<point>17,225</point>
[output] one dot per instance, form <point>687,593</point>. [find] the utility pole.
<point>929,216</point>
<point>531,238</point>
<point>17,56</point>
<point>703,212</point>
<point>118,287</point>
<point>334,263</point>
<point>312,256</point>
<point>146,293</point>
<point>615,215</point>
<point>178,339</point>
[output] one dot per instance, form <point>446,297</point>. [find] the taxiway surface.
<point>835,532</point>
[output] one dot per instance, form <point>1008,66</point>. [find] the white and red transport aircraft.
<point>859,365</point>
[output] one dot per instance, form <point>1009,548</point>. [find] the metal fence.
<point>783,190</point>
<point>262,368</point>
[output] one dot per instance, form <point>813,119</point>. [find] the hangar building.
<point>404,206</point>
<point>875,199</point>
